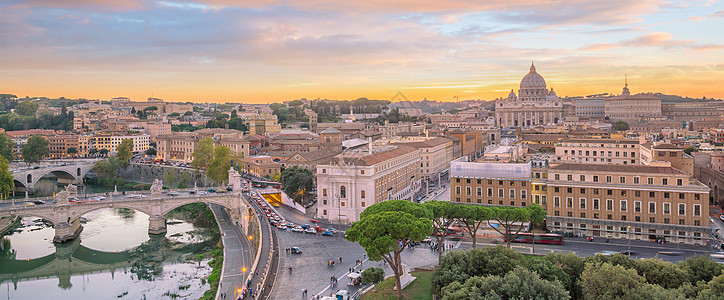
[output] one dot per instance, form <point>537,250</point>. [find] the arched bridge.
<point>66,173</point>
<point>65,217</point>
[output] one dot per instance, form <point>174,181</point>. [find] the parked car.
<point>305,226</point>
<point>297,229</point>
<point>607,253</point>
<point>310,230</point>
<point>328,233</point>
<point>296,250</point>
<point>39,202</point>
<point>282,227</point>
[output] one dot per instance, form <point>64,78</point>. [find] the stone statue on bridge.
<point>62,197</point>
<point>72,190</point>
<point>156,188</point>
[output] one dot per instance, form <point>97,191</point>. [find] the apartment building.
<point>627,107</point>
<point>110,142</point>
<point>348,183</point>
<point>180,146</point>
<point>606,151</point>
<point>658,153</point>
<point>435,156</point>
<point>58,145</point>
<point>153,129</point>
<point>263,124</point>
<point>261,165</point>
<point>637,202</point>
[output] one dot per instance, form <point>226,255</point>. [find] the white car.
<point>203,192</point>
<point>310,230</point>
<point>282,227</point>
<point>297,229</point>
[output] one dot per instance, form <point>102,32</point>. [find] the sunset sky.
<point>267,50</point>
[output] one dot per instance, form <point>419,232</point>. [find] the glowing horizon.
<point>271,51</point>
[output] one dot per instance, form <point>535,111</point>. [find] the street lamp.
<point>629,240</point>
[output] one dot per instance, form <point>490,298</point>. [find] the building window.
<point>697,210</point>
<point>679,181</point>
<point>570,177</point>
<point>608,179</point>
<point>468,190</point>
<point>583,177</point>
<point>595,204</point>
<point>362,172</point>
<point>512,193</point>
<point>557,201</point>
<point>697,197</point>
<point>490,192</point>
<point>557,176</point>
<point>622,179</point>
<point>342,192</point>
<point>582,203</point>
<point>569,202</point>
<point>636,180</point>
<point>544,199</point>
<point>595,178</point>
<point>637,206</point>
<point>666,195</point>
<point>652,194</point>
<point>682,196</point>
<point>652,207</point>
<point>480,191</point>
<point>623,205</point>
<point>324,192</point>
<point>457,190</point>
<point>363,195</point>
<point>665,181</point>
<point>501,193</point>
<point>682,209</point>
<point>650,180</point>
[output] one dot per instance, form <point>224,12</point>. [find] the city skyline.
<point>270,51</point>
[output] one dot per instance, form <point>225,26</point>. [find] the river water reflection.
<point>114,258</point>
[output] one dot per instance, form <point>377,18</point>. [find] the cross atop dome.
<point>532,67</point>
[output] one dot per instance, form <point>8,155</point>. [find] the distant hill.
<point>677,99</point>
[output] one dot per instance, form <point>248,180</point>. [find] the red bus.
<point>547,238</point>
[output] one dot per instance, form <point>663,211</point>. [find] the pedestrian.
<point>340,259</point>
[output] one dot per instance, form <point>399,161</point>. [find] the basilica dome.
<point>532,79</point>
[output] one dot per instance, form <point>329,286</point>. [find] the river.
<point>114,258</point>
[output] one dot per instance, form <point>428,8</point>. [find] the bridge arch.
<point>85,209</point>
<point>220,201</point>
<point>50,217</point>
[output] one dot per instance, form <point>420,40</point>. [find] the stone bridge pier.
<point>67,231</point>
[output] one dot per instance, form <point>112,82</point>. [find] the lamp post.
<point>339,214</point>
<point>629,240</point>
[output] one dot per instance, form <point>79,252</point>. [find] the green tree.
<point>151,151</point>
<point>511,219</point>
<point>35,148</point>
<point>373,275</point>
<point>124,152</point>
<point>103,152</point>
<point>659,272</point>
<point>472,217</point>
<point>700,268</point>
<point>203,154</point>
<point>106,168</point>
<point>184,180</point>
<point>7,182</point>
<point>71,151</point>
<point>442,217</point>
<point>26,108</point>
<point>6,147</point>
<point>606,281</point>
<point>174,114</point>
<point>384,229</point>
<point>296,181</point>
<point>219,167</point>
<point>517,284</point>
<point>713,290</point>
<point>690,149</point>
<point>169,178</point>
<point>620,126</point>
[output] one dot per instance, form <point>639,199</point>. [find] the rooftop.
<point>616,168</point>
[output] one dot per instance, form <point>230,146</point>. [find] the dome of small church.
<point>532,79</point>
<point>552,93</point>
<point>512,95</point>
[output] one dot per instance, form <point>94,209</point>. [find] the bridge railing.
<point>49,199</point>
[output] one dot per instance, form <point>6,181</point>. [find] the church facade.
<point>534,105</point>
